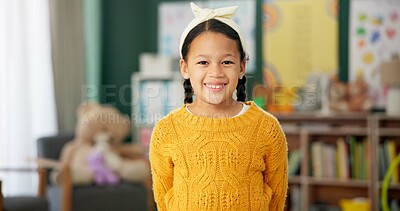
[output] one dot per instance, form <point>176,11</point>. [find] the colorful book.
<point>382,161</point>
<point>353,157</point>
<point>342,160</point>
<point>367,158</point>
<point>294,162</point>
<point>329,161</point>
<point>316,159</point>
<point>362,170</point>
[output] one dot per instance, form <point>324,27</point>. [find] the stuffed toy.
<point>349,97</point>
<point>337,95</point>
<point>359,99</point>
<point>102,160</point>
<point>98,154</point>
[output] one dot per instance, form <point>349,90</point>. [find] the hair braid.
<point>241,90</point>
<point>187,86</point>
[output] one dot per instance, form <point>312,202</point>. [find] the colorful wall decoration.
<point>299,38</point>
<point>374,37</point>
<point>174,16</point>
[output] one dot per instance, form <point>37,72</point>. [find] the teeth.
<point>214,86</point>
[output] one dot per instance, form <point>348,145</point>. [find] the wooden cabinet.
<point>339,158</point>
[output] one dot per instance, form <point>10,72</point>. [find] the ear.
<point>184,69</point>
<point>242,69</point>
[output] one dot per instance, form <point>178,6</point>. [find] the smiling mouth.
<point>215,87</point>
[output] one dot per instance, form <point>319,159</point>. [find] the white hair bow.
<point>223,14</point>
<point>207,14</point>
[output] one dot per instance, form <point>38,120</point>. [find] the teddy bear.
<point>103,161</point>
<point>98,149</point>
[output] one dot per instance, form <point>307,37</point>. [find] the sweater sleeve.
<point>276,173</point>
<point>161,168</point>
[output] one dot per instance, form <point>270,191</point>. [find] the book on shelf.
<point>358,154</point>
<point>329,161</point>
<point>367,158</point>
<point>362,155</point>
<point>295,157</point>
<point>316,159</point>
<point>353,157</point>
<point>342,159</point>
<point>295,198</point>
<point>382,161</point>
<point>323,160</point>
<point>387,152</point>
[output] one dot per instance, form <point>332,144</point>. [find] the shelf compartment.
<point>369,131</point>
<point>353,131</point>
<point>392,186</point>
<point>389,131</point>
<point>333,194</point>
<point>332,120</point>
<point>338,182</point>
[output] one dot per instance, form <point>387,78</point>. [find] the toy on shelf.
<point>349,97</point>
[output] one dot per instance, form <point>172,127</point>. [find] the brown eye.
<point>227,62</point>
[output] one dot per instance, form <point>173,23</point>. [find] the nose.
<point>216,71</point>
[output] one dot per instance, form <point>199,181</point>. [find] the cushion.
<point>25,203</point>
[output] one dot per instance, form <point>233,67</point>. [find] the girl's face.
<point>214,67</point>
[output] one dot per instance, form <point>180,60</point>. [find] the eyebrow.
<point>225,55</point>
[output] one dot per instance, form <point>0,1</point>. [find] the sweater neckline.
<point>242,111</point>
<point>195,122</point>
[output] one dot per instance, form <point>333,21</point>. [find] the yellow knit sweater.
<point>237,163</point>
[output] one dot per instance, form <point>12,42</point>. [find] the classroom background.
<point>329,70</point>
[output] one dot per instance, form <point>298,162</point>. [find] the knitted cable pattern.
<point>214,164</point>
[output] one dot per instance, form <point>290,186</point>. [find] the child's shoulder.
<point>165,126</point>
<point>265,115</point>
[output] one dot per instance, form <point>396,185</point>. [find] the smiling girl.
<point>217,152</point>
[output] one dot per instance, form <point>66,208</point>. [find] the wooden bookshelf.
<point>368,131</point>
<point>339,182</point>
<point>294,180</point>
<point>391,186</point>
<point>384,128</point>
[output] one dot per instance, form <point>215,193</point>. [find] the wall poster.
<point>299,38</point>
<point>374,38</point>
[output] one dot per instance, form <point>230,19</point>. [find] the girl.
<point>215,152</point>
